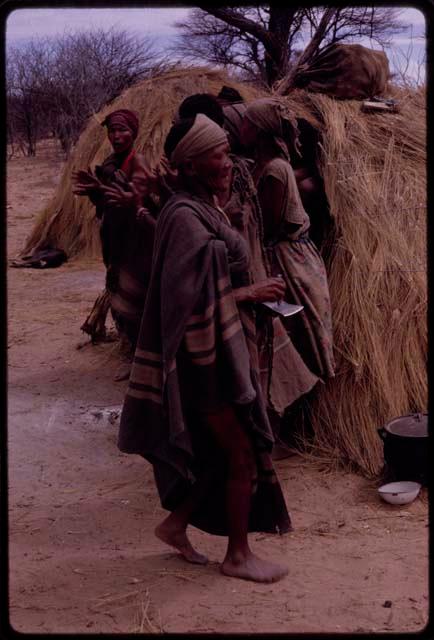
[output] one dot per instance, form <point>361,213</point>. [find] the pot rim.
<point>402,435</point>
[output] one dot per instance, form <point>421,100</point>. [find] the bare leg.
<point>173,529</point>
<point>240,562</point>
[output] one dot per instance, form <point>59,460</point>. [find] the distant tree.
<point>409,64</point>
<point>26,99</point>
<point>90,70</point>
<point>56,85</point>
<point>262,43</point>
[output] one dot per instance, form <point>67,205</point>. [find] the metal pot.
<point>405,441</point>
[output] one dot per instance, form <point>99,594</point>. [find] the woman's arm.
<point>308,184</point>
<point>275,197</point>
<point>268,290</point>
<point>271,193</point>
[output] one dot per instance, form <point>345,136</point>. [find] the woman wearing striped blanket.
<point>119,189</point>
<point>194,406</point>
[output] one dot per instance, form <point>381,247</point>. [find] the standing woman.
<point>285,376</point>
<point>271,131</point>
<point>194,406</point>
<point>119,190</point>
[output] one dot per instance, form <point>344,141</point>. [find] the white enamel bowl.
<point>399,492</point>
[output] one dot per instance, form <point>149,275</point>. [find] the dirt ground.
<point>83,557</point>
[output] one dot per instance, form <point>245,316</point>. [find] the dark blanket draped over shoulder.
<point>190,308</point>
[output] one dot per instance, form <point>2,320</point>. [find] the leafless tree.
<point>55,85</point>
<point>91,69</point>
<point>26,73</point>
<point>261,43</point>
<point>409,65</point>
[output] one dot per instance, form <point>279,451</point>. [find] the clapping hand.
<point>118,197</point>
<point>85,182</point>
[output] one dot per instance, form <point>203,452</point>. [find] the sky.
<point>24,23</point>
<point>159,23</point>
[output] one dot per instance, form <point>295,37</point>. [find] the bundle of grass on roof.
<point>374,170</point>
<point>373,165</point>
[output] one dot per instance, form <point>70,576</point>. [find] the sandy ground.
<point>83,557</point>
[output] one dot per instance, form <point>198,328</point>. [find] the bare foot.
<point>250,567</point>
<point>178,539</point>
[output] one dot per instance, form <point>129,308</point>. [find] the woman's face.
<point>214,168</point>
<point>248,133</point>
<point>120,136</point>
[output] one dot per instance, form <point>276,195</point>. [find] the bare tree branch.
<point>54,86</point>
<point>268,38</point>
<point>239,21</point>
<point>310,50</point>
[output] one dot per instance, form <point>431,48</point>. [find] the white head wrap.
<point>205,134</point>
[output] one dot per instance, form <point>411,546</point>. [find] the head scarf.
<point>233,118</point>
<point>201,103</point>
<point>268,114</point>
<point>229,95</point>
<point>127,117</point>
<point>203,136</point>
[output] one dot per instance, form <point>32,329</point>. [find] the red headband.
<point>125,115</point>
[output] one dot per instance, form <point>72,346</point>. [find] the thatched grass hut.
<point>374,173</point>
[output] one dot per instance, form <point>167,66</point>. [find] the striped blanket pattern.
<point>191,316</point>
